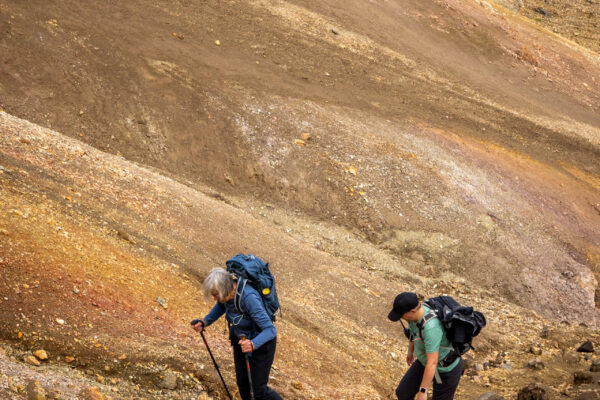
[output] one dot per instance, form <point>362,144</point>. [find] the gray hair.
<point>220,281</point>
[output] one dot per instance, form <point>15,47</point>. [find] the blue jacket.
<point>255,323</point>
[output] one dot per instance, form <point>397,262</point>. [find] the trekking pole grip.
<point>247,356</point>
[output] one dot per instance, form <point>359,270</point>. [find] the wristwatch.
<point>423,390</point>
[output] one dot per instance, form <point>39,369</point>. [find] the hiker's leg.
<point>450,380</point>
<point>241,373</point>
<point>260,364</point>
<point>410,382</point>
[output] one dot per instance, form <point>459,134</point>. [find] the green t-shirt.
<point>435,340</point>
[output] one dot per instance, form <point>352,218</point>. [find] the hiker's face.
<point>409,316</point>
<point>217,298</point>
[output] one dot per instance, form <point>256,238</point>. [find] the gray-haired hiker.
<point>250,332</point>
<point>430,353</point>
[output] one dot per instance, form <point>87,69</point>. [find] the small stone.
<point>490,396</point>
<point>41,355</point>
<point>60,321</point>
<point>534,391</point>
<point>306,136</point>
<point>586,347</point>
<point>545,333</point>
<point>540,10</point>
<point>168,381</point>
<point>580,377</point>
<point>35,391</point>
<point>536,364</point>
<point>69,359</point>
<point>31,360</point>
<point>91,393</point>
<point>595,367</point>
<point>123,235</point>
<point>4,232</point>
<point>535,350</point>
<point>218,42</point>
<point>297,385</point>
<point>162,302</point>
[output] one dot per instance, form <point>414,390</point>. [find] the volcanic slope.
<point>427,121</point>
<point>363,148</point>
<point>102,263</point>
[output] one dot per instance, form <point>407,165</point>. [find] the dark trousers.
<point>411,382</point>
<point>260,365</point>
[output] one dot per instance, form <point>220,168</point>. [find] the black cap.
<point>403,303</point>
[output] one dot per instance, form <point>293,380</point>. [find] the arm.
<point>410,354</point>
<point>432,360</point>
<point>214,314</point>
<point>432,338</point>
<point>254,306</point>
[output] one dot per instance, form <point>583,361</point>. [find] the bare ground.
<point>363,149</point>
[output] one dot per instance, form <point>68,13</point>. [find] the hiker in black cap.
<point>430,354</point>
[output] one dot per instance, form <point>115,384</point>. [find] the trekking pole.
<point>249,373</point>
<point>194,322</point>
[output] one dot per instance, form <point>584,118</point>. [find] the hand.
<point>198,326</point>
<point>246,345</point>
<point>421,396</point>
<point>410,358</point>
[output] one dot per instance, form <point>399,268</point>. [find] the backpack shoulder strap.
<point>426,318</point>
<point>239,291</point>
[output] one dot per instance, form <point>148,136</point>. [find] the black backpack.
<point>461,323</point>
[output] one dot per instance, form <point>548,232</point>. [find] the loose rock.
<point>168,381</point>
<point>536,364</point>
<point>31,360</point>
<point>534,391</point>
<point>41,355</point>
<point>35,391</point>
<point>580,377</point>
<point>162,302</point>
<point>595,367</point>
<point>490,396</point>
<point>586,347</point>
<point>91,393</point>
<point>540,10</point>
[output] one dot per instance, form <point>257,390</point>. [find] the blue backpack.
<point>253,271</point>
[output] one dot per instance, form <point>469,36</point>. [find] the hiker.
<point>255,325</point>
<point>430,354</point>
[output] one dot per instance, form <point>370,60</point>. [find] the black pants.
<point>411,382</point>
<point>260,365</point>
